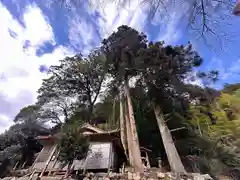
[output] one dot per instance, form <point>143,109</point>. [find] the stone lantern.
<point>159,159</point>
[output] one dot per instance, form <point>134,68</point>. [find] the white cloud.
<point>135,13</point>
<point>171,21</point>
<point>20,76</point>
<point>4,122</point>
<point>19,71</point>
<point>235,68</point>
<point>172,34</point>
<point>81,32</point>
<point>112,16</point>
<point>37,29</point>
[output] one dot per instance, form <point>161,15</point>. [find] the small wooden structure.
<point>106,154</point>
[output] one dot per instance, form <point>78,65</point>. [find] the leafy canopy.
<point>72,145</point>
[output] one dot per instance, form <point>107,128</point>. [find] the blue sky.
<point>35,34</point>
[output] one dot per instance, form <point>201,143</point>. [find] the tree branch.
<point>177,129</point>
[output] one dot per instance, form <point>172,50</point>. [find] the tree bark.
<point>129,135</point>
<point>170,149</point>
<point>136,154</point>
<point>113,118</point>
<point>122,126</point>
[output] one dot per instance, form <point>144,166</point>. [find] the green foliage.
<point>231,88</point>
<point>74,85</point>
<point>72,145</point>
<point>168,67</point>
<point>121,49</point>
<point>160,71</point>
<point>28,114</point>
<point>223,134</point>
<point>209,120</point>
<point>18,143</point>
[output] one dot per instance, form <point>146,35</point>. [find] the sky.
<point>35,34</point>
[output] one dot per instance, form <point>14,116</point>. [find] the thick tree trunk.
<point>129,135</point>
<point>90,110</point>
<point>122,126</point>
<point>170,149</point>
<point>138,166</point>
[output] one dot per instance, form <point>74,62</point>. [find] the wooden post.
<point>55,162</point>
<point>110,158</point>
<point>169,146</point>
<point>49,159</point>
<point>37,158</point>
<point>30,178</point>
<point>85,163</point>
<point>24,164</point>
<point>15,166</point>
<point>68,170</point>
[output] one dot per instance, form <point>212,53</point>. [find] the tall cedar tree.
<point>120,49</point>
